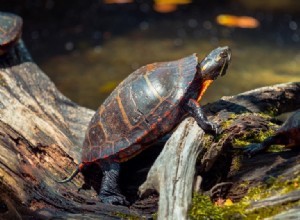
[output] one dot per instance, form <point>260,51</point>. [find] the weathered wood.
<point>172,174</point>
<point>41,135</point>
<point>293,213</point>
<point>276,99</point>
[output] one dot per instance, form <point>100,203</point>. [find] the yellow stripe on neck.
<point>204,87</point>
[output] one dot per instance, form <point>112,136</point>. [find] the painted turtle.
<point>288,134</point>
<point>10,31</point>
<point>147,105</point>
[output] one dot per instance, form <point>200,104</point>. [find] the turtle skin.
<point>288,134</point>
<point>10,31</point>
<point>147,105</point>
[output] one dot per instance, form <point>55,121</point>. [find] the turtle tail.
<point>74,173</point>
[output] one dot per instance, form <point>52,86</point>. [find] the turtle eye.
<point>224,54</point>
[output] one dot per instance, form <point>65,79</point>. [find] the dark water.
<point>88,54</point>
<point>89,75</point>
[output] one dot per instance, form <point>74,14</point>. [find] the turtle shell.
<point>144,107</point>
<point>10,30</point>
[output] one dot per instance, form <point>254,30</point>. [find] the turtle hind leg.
<point>110,192</point>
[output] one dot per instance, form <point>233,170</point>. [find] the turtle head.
<point>212,66</point>
<point>215,63</point>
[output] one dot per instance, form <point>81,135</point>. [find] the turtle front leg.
<point>255,148</point>
<point>110,192</point>
<point>195,110</point>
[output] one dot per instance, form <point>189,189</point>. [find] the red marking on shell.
<point>92,161</point>
<point>150,67</point>
<point>80,167</point>
<point>153,126</point>
<point>144,134</point>
<point>122,154</point>
<point>139,139</point>
<point>167,113</point>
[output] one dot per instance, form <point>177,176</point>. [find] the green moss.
<point>203,208</point>
<point>263,135</point>
<point>208,139</point>
<point>154,215</point>
<point>229,121</point>
<point>240,142</point>
<point>220,136</point>
<point>285,186</point>
<point>270,211</point>
<point>272,111</point>
<point>271,187</point>
<point>226,124</point>
<point>276,148</point>
<point>257,137</point>
<point>236,162</point>
<point>265,115</point>
<point>252,137</point>
<point>257,193</point>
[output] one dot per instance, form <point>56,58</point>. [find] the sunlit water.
<point>89,75</point>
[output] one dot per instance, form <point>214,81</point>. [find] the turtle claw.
<point>213,129</point>
<point>210,128</point>
<point>114,200</point>
<point>253,149</point>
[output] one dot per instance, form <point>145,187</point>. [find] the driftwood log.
<point>41,135</point>
<point>173,172</point>
<point>41,132</point>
